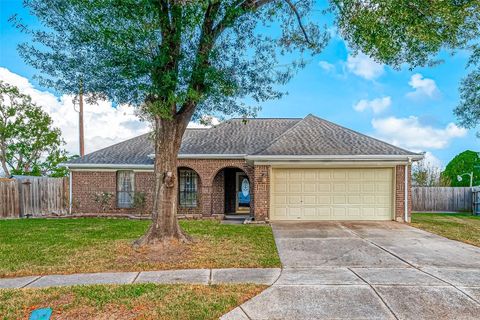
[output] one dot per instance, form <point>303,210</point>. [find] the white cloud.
<point>205,122</point>
<point>432,161</point>
<point>376,105</point>
<point>423,87</point>
<point>326,66</point>
<point>363,66</point>
<point>104,124</point>
<point>411,134</point>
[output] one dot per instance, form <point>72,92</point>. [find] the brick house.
<point>272,169</point>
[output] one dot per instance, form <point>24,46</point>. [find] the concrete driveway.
<point>368,270</point>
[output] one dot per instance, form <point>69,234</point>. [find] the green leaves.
<point>407,31</point>
<point>29,144</point>
<point>463,164</point>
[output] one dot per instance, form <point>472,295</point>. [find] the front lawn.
<point>46,246</point>
<point>134,301</point>
<point>457,226</point>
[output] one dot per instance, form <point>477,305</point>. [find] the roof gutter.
<point>412,157</point>
<point>303,158</point>
<point>212,156</point>
<point>107,166</point>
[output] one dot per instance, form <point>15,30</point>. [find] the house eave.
<point>335,158</point>
<point>257,159</point>
<point>108,166</point>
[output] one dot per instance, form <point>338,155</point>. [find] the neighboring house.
<point>274,169</point>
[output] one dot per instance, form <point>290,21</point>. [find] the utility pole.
<point>80,121</point>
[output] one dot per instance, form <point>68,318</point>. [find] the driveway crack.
<point>374,290</point>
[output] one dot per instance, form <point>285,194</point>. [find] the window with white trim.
<point>187,188</point>
<point>125,188</point>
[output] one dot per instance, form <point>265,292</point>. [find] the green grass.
<point>457,226</point>
<point>45,246</point>
<point>134,301</point>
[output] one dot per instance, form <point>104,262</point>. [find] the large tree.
<point>180,59</point>
<point>29,143</point>
<point>463,164</point>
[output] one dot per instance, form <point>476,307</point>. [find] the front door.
<point>242,194</point>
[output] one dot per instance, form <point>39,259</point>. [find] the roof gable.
<point>316,136</point>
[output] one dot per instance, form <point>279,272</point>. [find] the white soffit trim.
<point>208,156</point>
<point>212,156</point>
<point>108,166</point>
<point>335,158</point>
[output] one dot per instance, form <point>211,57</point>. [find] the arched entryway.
<point>232,192</point>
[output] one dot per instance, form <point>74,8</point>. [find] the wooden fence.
<point>437,199</point>
<point>33,196</point>
<point>9,200</point>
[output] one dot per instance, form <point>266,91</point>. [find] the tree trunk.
<point>165,227</point>
<point>3,161</point>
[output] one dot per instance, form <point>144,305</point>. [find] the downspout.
<point>406,189</point>
<point>70,193</point>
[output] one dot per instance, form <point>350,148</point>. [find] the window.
<point>187,188</point>
<point>125,189</point>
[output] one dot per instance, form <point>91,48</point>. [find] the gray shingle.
<point>291,137</point>
<point>316,136</point>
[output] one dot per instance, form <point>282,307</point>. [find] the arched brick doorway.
<point>232,192</point>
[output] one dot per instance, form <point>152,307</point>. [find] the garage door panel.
<point>309,200</point>
<point>279,186</point>
<point>339,212</point>
<point>354,212</point>
<point>294,211</point>
<point>324,187</point>
<point>340,175</point>
<point>332,194</point>
<point>339,199</point>
<point>368,187</point>
<point>325,175</point>
<point>323,200</point>
<point>382,187</point>
<point>309,187</point>
<point>355,200</point>
<point>324,212</point>
<point>354,187</point>
<point>280,199</point>
<point>382,200</point>
<point>295,187</point>
<point>295,200</point>
<point>369,200</point>
<point>309,211</point>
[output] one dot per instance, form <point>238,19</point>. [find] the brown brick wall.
<point>400,193</point>
<point>218,194</point>
<point>211,188</point>
<point>85,184</point>
<point>262,192</point>
<point>211,196</point>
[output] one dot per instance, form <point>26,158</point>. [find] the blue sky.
<point>410,108</point>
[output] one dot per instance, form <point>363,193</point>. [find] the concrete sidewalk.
<point>187,276</point>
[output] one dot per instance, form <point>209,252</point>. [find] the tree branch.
<point>206,42</point>
<point>299,19</point>
<point>237,9</point>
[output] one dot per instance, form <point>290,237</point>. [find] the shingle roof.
<point>316,136</point>
<point>260,137</point>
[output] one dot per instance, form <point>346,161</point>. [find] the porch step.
<point>235,218</point>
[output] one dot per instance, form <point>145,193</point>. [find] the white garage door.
<point>332,194</point>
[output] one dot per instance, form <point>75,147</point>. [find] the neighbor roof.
<point>311,136</point>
